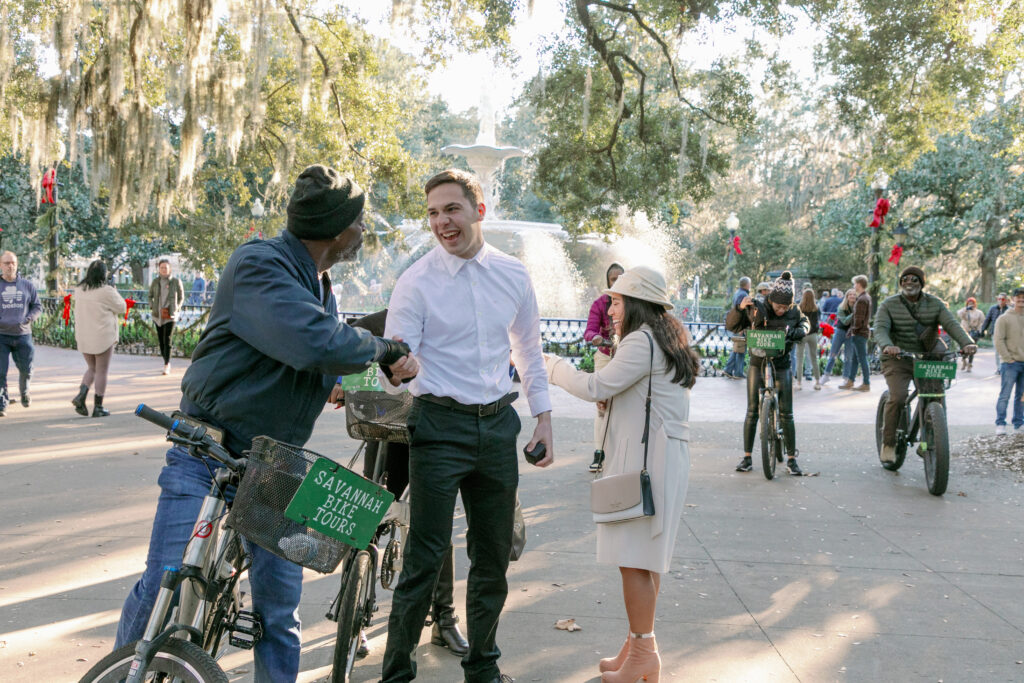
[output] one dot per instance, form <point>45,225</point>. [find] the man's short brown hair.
<point>467,181</point>
<point>862,279</point>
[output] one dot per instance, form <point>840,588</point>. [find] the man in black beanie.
<point>266,363</point>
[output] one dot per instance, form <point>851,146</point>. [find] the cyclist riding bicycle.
<point>265,365</point>
<point>909,321</point>
<point>776,312</point>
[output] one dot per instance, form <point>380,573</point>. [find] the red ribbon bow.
<point>66,314</point>
<point>881,208</point>
<point>129,304</point>
<point>49,181</point>
<point>736,245</point>
<point>897,253</point>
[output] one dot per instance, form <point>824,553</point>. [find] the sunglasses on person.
<point>910,278</point>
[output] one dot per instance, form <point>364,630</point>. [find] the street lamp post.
<point>879,184</point>
<point>732,224</point>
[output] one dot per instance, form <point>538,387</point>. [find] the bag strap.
<point>647,416</point>
<point>912,314</point>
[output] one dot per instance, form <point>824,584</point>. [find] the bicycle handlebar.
<point>194,436</point>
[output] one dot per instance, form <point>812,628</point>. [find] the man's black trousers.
<point>453,452</point>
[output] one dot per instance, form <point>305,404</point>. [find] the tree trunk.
<point>988,263</point>
<point>137,274</point>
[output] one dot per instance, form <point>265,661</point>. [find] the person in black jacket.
<point>265,365</point>
<point>776,313</point>
<point>1002,303</point>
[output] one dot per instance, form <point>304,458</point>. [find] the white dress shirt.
<point>462,318</point>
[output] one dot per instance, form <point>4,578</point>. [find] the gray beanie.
<point>323,204</point>
<point>782,289</point>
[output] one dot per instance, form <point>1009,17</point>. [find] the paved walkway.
<point>853,575</point>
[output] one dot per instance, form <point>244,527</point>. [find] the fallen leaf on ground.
<point>568,625</point>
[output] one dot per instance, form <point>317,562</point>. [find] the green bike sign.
<point>368,380</point>
<point>934,369</point>
<point>339,503</point>
<point>767,340</point>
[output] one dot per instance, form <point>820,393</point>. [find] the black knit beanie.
<point>782,289</point>
<point>323,204</point>
<point>913,270</point>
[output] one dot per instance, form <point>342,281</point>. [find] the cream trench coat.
<point>645,543</point>
<point>98,312</point>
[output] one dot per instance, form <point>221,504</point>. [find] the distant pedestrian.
<point>737,358</point>
<point>197,297</point>
<point>1009,341</point>
<point>98,311</point>
<point>19,306</point>
<point>971,319</point>
<point>762,291</point>
<point>166,295</point>
<point>1000,307</point>
<point>831,304</point>
<point>858,335</point>
<point>840,336</point>
<point>600,333</point>
<point>809,343</point>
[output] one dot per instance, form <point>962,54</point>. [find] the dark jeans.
<point>860,356</point>
<point>734,366</point>
<point>1012,376</point>
<point>784,391</point>
<point>838,340</point>
<point>20,348</point>
<point>453,452</point>
<point>276,583</point>
<point>163,336</point>
<point>396,465</point>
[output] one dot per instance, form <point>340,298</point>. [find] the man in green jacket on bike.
<point>908,321</point>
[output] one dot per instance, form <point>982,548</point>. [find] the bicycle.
<point>200,601</point>
<point>927,419</point>
<point>772,343</point>
<point>373,417</point>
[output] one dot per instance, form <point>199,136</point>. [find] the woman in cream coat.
<point>641,548</point>
<point>98,311</point>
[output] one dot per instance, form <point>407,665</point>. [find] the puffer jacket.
<point>895,326</point>
<point>761,315</point>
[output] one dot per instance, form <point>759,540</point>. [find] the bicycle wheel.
<point>351,610</point>
<point>177,660</point>
<point>769,436</point>
<point>936,454</point>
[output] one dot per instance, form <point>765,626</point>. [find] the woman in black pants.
<point>777,312</point>
<point>396,466</point>
<point>165,298</point>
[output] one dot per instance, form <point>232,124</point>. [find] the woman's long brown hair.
<point>670,335</point>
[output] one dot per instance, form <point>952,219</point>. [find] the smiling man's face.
<point>454,220</point>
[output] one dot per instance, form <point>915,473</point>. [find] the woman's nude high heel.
<point>615,663</point>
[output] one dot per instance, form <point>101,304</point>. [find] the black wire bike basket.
<point>378,416</point>
<point>272,476</point>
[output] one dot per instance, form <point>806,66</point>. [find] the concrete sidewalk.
<point>856,574</point>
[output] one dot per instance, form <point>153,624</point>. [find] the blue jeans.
<point>857,354</point>
<point>734,366</point>
<point>276,583</point>
<point>1012,375</point>
<point>838,341</point>
<point>19,347</point>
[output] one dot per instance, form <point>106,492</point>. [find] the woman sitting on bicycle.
<point>777,312</point>
<point>909,321</point>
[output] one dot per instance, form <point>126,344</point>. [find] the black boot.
<point>79,401</point>
<point>97,409</point>
<point>598,463</point>
<point>445,630</point>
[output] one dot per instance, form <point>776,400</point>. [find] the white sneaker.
<point>888,453</point>
<point>1000,430</point>
<point>167,369</point>
<point>825,379</point>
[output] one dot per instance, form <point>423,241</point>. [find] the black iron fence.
<point>562,336</point>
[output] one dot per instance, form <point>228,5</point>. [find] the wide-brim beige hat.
<point>645,283</point>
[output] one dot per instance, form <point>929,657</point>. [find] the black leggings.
<point>784,391</point>
<point>163,335</point>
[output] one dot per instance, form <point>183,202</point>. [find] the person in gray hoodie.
<point>19,306</point>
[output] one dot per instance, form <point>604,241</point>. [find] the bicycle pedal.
<point>246,630</point>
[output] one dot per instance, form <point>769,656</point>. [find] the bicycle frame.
<point>915,417</point>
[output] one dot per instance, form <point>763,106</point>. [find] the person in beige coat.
<point>641,548</point>
<point>972,320</point>
<point>98,312</point>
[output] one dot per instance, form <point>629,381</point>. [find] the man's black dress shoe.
<point>449,636</point>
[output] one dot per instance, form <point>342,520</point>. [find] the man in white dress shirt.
<point>463,308</point>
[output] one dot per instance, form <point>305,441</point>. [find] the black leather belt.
<point>478,409</point>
